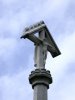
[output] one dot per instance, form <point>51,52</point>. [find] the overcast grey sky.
<point>16,55</point>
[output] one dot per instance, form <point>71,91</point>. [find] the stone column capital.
<point>40,76</point>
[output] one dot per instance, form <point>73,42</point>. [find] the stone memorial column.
<point>40,78</point>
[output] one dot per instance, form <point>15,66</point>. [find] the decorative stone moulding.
<point>40,76</point>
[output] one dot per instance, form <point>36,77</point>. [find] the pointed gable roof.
<point>29,33</point>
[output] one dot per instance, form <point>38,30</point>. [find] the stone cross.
<point>41,78</point>
<point>43,43</point>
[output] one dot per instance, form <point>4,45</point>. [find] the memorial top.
<point>29,32</point>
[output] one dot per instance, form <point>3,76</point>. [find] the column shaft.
<point>40,92</point>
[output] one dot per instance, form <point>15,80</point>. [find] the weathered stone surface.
<point>30,32</point>
<point>40,76</point>
<point>40,80</point>
<point>40,92</point>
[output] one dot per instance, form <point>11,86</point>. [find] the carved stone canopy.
<point>45,37</point>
